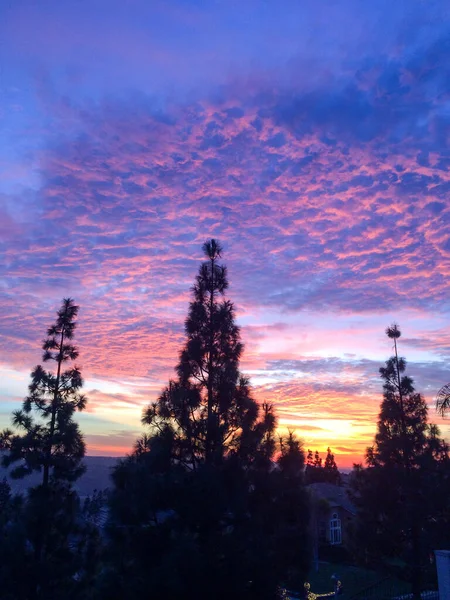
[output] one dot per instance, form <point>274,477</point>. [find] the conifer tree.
<point>13,567</point>
<point>317,460</point>
<point>398,506</point>
<point>330,469</point>
<point>199,509</point>
<point>313,469</point>
<point>48,440</point>
<point>443,400</point>
<point>208,412</point>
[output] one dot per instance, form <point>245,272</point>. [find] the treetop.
<point>393,331</point>
<point>212,249</point>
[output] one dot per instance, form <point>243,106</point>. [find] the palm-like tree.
<point>443,400</point>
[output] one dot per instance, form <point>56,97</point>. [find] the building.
<point>332,513</point>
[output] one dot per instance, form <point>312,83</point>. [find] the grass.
<point>354,579</point>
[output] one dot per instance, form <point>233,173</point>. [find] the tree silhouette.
<point>208,411</point>
<point>201,508</point>
<point>314,469</point>
<point>317,471</point>
<point>443,400</point>
<point>13,567</point>
<point>317,460</point>
<point>330,469</point>
<point>48,440</point>
<point>397,513</point>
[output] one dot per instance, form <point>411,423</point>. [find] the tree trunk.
<point>402,410</point>
<point>210,419</point>
<point>42,534</point>
<point>53,419</point>
<point>416,578</point>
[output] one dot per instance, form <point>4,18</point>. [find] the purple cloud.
<point>320,161</point>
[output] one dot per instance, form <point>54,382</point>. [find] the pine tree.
<point>48,440</point>
<point>317,460</point>
<point>5,495</point>
<point>330,469</point>
<point>396,495</point>
<point>443,400</point>
<point>194,508</point>
<point>313,469</point>
<point>13,564</point>
<point>208,411</point>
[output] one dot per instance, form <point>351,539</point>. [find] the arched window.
<point>335,530</point>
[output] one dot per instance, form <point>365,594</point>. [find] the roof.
<point>335,495</point>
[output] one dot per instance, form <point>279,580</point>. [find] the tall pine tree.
<point>200,509</point>
<point>330,469</point>
<point>208,411</point>
<point>48,440</point>
<point>317,460</point>
<point>397,499</point>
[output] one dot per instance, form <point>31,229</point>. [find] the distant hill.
<point>96,477</point>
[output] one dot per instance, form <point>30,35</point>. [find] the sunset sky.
<point>312,138</point>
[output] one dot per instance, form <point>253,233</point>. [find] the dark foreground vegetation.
<point>211,502</point>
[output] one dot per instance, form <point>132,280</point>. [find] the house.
<point>332,513</point>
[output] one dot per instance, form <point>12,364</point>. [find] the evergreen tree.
<point>208,411</point>
<point>330,469</point>
<point>397,499</point>
<point>317,460</point>
<point>13,564</point>
<point>443,400</point>
<point>313,469</point>
<point>5,495</point>
<point>200,509</point>
<point>48,440</point>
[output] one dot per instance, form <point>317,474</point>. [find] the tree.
<point>13,567</point>
<point>314,471</point>
<point>398,508</point>
<point>208,410</point>
<point>443,400</point>
<point>317,460</point>
<point>48,440</point>
<point>196,508</point>
<point>330,469</point>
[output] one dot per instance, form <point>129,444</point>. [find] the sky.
<point>311,138</point>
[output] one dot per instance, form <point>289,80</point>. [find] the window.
<point>335,530</point>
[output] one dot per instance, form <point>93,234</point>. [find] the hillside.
<point>96,477</point>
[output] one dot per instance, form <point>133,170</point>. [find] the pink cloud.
<point>319,221</point>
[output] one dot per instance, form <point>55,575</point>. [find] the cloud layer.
<point>320,160</point>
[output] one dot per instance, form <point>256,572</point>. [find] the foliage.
<point>316,472</point>
<point>47,438</point>
<point>201,508</point>
<point>45,525</point>
<point>317,460</point>
<point>399,515</point>
<point>208,411</point>
<point>13,567</point>
<point>443,400</point>
<point>330,469</point>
